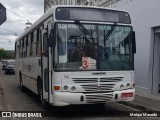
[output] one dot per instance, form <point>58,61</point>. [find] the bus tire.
<point>21,83</point>
<point>44,103</point>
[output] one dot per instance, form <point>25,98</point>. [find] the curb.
<point>138,106</point>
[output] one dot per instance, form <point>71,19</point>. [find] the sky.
<point>30,10</point>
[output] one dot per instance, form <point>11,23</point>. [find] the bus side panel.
<point>30,70</point>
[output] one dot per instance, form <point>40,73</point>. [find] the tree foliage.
<point>4,54</point>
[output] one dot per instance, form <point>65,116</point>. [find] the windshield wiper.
<point>83,29</point>
<point>106,37</point>
<point>109,32</point>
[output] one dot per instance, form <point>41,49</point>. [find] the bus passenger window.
<point>34,43</point>
<point>45,44</point>
<point>22,52</point>
<point>24,47</point>
<point>20,49</point>
<point>38,43</point>
<point>31,48</point>
<point>27,46</point>
<point>17,49</point>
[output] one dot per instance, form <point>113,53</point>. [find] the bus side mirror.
<point>45,45</point>
<point>134,41</point>
<point>52,38</point>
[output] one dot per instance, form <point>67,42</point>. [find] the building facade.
<point>49,3</point>
<point>97,2</point>
<point>146,24</point>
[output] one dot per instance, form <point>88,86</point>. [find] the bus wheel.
<point>43,102</point>
<point>21,83</point>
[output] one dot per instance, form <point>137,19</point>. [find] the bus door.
<point>46,62</point>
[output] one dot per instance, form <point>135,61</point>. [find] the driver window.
<point>62,45</point>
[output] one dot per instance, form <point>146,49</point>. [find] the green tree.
<point>3,54</point>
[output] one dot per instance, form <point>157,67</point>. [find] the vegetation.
<point>6,55</point>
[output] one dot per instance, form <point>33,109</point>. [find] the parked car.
<point>4,64</point>
<point>10,66</point>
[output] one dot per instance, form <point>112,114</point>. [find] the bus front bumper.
<point>67,98</point>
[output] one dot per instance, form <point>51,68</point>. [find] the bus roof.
<point>50,12</point>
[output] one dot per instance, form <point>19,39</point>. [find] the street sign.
<point>2,14</point>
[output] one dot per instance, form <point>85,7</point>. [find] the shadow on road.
<point>9,74</point>
<point>84,111</point>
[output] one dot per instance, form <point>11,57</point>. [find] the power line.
<point>5,43</point>
<point>9,41</point>
<point>2,33</point>
<point>7,30</point>
<point>15,33</point>
<point>17,14</point>
<point>4,38</point>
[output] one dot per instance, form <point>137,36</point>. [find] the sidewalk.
<point>144,104</point>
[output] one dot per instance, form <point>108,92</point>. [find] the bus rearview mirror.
<point>45,45</point>
<point>134,41</point>
<point>51,39</point>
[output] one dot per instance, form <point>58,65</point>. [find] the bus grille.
<point>98,98</point>
<point>104,84</point>
<point>85,80</point>
<point>98,88</point>
<point>111,79</point>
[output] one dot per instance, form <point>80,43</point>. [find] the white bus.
<point>78,55</point>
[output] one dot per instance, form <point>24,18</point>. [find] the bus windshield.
<point>93,47</point>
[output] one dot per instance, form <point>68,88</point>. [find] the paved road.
<point>12,99</point>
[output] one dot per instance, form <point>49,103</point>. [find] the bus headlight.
<point>65,87</point>
<point>122,86</point>
<point>73,88</point>
<point>128,85</point>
